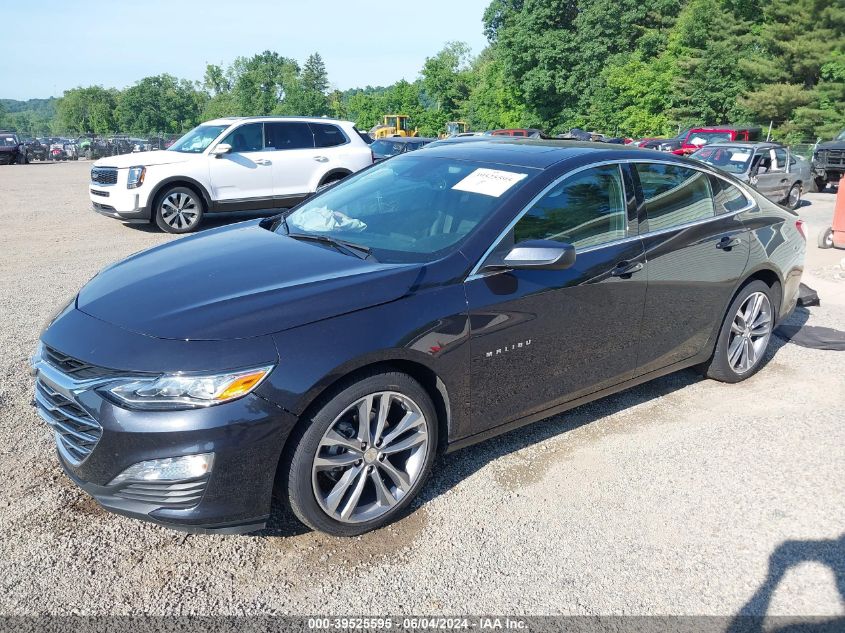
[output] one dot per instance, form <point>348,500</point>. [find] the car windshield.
<point>197,140</point>
<point>703,138</point>
<point>841,136</point>
<point>386,148</point>
<point>734,160</point>
<point>410,209</point>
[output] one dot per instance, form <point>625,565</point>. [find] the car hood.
<point>831,145</point>
<point>158,157</point>
<point>237,282</point>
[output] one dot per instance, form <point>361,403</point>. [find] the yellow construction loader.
<point>393,125</point>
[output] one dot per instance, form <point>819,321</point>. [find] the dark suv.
<point>12,150</point>
<point>426,303</point>
<point>829,161</point>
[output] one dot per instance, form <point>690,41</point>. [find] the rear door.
<point>244,176</point>
<point>291,144</point>
<point>769,177</point>
<point>695,257</point>
<point>541,337</point>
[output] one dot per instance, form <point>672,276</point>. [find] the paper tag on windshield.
<point>489,182</point>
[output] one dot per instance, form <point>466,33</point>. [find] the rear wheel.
<point>744,335</point>
<point>826,238</point>
<point>329,182</point>
<point>363,456</point>
<point>22,159</point>
<point>821,184</point>
<point>178,210</point>
<point>793,198</point>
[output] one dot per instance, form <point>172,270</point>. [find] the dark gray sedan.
<point>770,167</point>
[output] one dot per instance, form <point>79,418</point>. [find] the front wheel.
<point>821,184</point>
<point>178,210</point>
<point>362,457</point>
<point>744,335</point>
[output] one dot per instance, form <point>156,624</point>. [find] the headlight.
<point>185,391</point>
<point>136,177</point>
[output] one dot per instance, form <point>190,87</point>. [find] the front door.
<point>771,178</point>
<point>541,337</point>
<point>243,178</point>
<point>694,255</point>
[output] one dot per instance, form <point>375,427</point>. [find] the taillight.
<point>799,224</point>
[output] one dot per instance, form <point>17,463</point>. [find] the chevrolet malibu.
<point>422,305</point>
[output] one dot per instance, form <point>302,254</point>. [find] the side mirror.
<point>222,148</point>
<point>540,254</point>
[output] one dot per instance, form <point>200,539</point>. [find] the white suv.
<point>230,164</point>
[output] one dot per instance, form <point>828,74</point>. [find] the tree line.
<point>623,67</point>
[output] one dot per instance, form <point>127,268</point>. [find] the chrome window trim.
<point>475,274</point>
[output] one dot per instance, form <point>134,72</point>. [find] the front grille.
<point>104,207</point>
<point>76,369</point>
<point>104,194</point>
<point>76,431</point>
<point>172,495</point>
<point>104,175</point>
<point>831,158</point>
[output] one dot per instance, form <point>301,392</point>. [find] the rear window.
<point>674,195</point>
<point>327,135</point>
<point>727,197</point>
<point>287,135</point>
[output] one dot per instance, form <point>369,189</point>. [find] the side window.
<point>327,135</point>
<point>780,158</point>
<point>288,135</point>
<point>727,197</point>
<point>247,138</point>
<point>674,195</point>
<point>584,210</point>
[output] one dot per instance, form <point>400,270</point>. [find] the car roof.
<point>307,119</point>
<point>746,144</point>
<point>540,153</point>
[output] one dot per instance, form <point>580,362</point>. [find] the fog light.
<point>167,469</point>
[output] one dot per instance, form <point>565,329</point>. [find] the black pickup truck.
<point>829,161</point>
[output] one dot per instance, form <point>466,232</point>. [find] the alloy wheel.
<point>179,210</point>
<point>370,457</point>
<point>750,331</point>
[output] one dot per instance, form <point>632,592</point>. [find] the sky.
<point>49,46</point>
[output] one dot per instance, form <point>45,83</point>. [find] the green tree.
<point>161,103</point>
<point>87,110</point>
<point>446,77</point>
<point>313,84</point>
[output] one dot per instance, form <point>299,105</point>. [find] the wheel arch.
<point>179,181</point>
<point>341,378</point>
<point>332,173</point>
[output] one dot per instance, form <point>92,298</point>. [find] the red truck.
<point>697,137</point>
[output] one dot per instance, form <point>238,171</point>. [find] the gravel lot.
<point>670,498</point>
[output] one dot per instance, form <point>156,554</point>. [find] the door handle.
<point>262,161</point>
<point>626,269</point>
<point>321,159</point>
<point>727,243</point>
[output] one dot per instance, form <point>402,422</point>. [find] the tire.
<point>22,159</point>
<point>308,487</point>
<point>178,210</point>
<point>826,238</point>
<point>793,198</point>
<point>329,182</point>
<point>821,184</point>
<point>725,365</point>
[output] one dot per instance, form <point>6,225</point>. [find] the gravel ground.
<point>682,496</point>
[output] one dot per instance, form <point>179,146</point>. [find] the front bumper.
<point>245,435</point>
<point>118,202</point>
